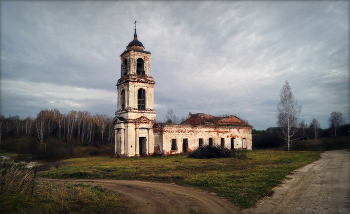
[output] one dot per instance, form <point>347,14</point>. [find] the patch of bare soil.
<point>152,197</point>
<point>320,187</point>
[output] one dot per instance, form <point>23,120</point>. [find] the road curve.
<point>154,197</point>
<point>320,187</point>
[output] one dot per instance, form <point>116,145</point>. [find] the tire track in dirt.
<point>153,197</point>
<point>320,187</point>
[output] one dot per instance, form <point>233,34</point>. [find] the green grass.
<point>241,181</point>
<point>8,154</point>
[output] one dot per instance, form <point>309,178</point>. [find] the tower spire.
<point>135,35</point>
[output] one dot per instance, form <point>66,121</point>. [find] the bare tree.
<point>110,129</point>
<point>40,128</point>
<point>90,131</point>
<point>315,125</point>
<point>28,125</point>
<point>102,123</point>
<point>335,120</point>
<point>304,130</point>
<point>170,117</point>
<point>288,112</point>
<point>69,123</point>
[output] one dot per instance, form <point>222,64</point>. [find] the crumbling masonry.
<point>138,134</point>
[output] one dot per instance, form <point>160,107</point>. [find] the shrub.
<point>205,152</point>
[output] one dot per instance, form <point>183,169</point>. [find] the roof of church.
<point>207,119</point>
<point>135,42</point>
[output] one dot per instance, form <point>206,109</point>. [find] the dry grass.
<point>20,194</point>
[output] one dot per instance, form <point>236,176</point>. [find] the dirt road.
<point>320,187</point>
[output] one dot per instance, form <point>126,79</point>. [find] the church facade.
<point>138,134</point>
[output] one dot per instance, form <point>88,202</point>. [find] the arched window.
<point>125,67</point>
<point>141,101</point>
<point>122,100</point>
<point>140,70</point>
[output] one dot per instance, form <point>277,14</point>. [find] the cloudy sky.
<point>229,57</point>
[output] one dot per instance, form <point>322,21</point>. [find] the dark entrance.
<point>200,142</point>
<point>232,143</point>
<point>210,142</point>
<point>222,143</point>
<point>185,145</point>
<point>142,145</point>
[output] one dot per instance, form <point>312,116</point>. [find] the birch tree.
<point>110,129</point>
<point>288,112</point>
<point>335,120</point>
<point>40,128</point>
<point>101,122</point>
<point>315,125</point>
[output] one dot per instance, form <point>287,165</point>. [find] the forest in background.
<point>54,136</point>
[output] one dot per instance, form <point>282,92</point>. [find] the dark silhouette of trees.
<point>335,120</point>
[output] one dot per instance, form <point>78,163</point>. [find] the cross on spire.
<point>135,35</point>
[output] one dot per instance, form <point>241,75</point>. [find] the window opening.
<point>173,144</point>
<point>210,142</point>
<point>140,70</point>
<point>125,67</point>
<point>200,142</point>
<point>185,145</point>
<point>122,100</point>
<point>244,143</point>
<point>141,99</point>
<point>222,143</point>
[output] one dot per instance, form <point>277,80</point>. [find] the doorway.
<point>232,143</point>
<point>185,145</point>
<point>142,145</point>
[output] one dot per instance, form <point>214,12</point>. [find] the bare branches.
<point>288,112</point>
<point>315,125</point>
<point>335,120</point>
<point>171,117</point>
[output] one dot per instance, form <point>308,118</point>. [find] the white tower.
<point>135,115</point>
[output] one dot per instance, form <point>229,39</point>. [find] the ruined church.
<point>138,134</point>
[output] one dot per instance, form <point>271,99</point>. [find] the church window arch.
<point>141,99</point>
<point>125,67</point>
<point>140,69</point>
<point>122,99</point>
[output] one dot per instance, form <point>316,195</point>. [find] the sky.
<point>218,58</point>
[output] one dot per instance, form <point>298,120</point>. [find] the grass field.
<point>241,181</point>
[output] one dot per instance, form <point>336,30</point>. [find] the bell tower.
<point>135,113</point>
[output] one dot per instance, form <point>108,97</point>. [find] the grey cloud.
<point>212,57</point>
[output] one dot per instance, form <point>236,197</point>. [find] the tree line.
<point>291,129</point>
<point>80,125</point>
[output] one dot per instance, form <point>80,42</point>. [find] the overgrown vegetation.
<point>322,144</point>
<point>30,149</point>
<point>241,181</point>
<point>206,152</point>
<point>21,194</point>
